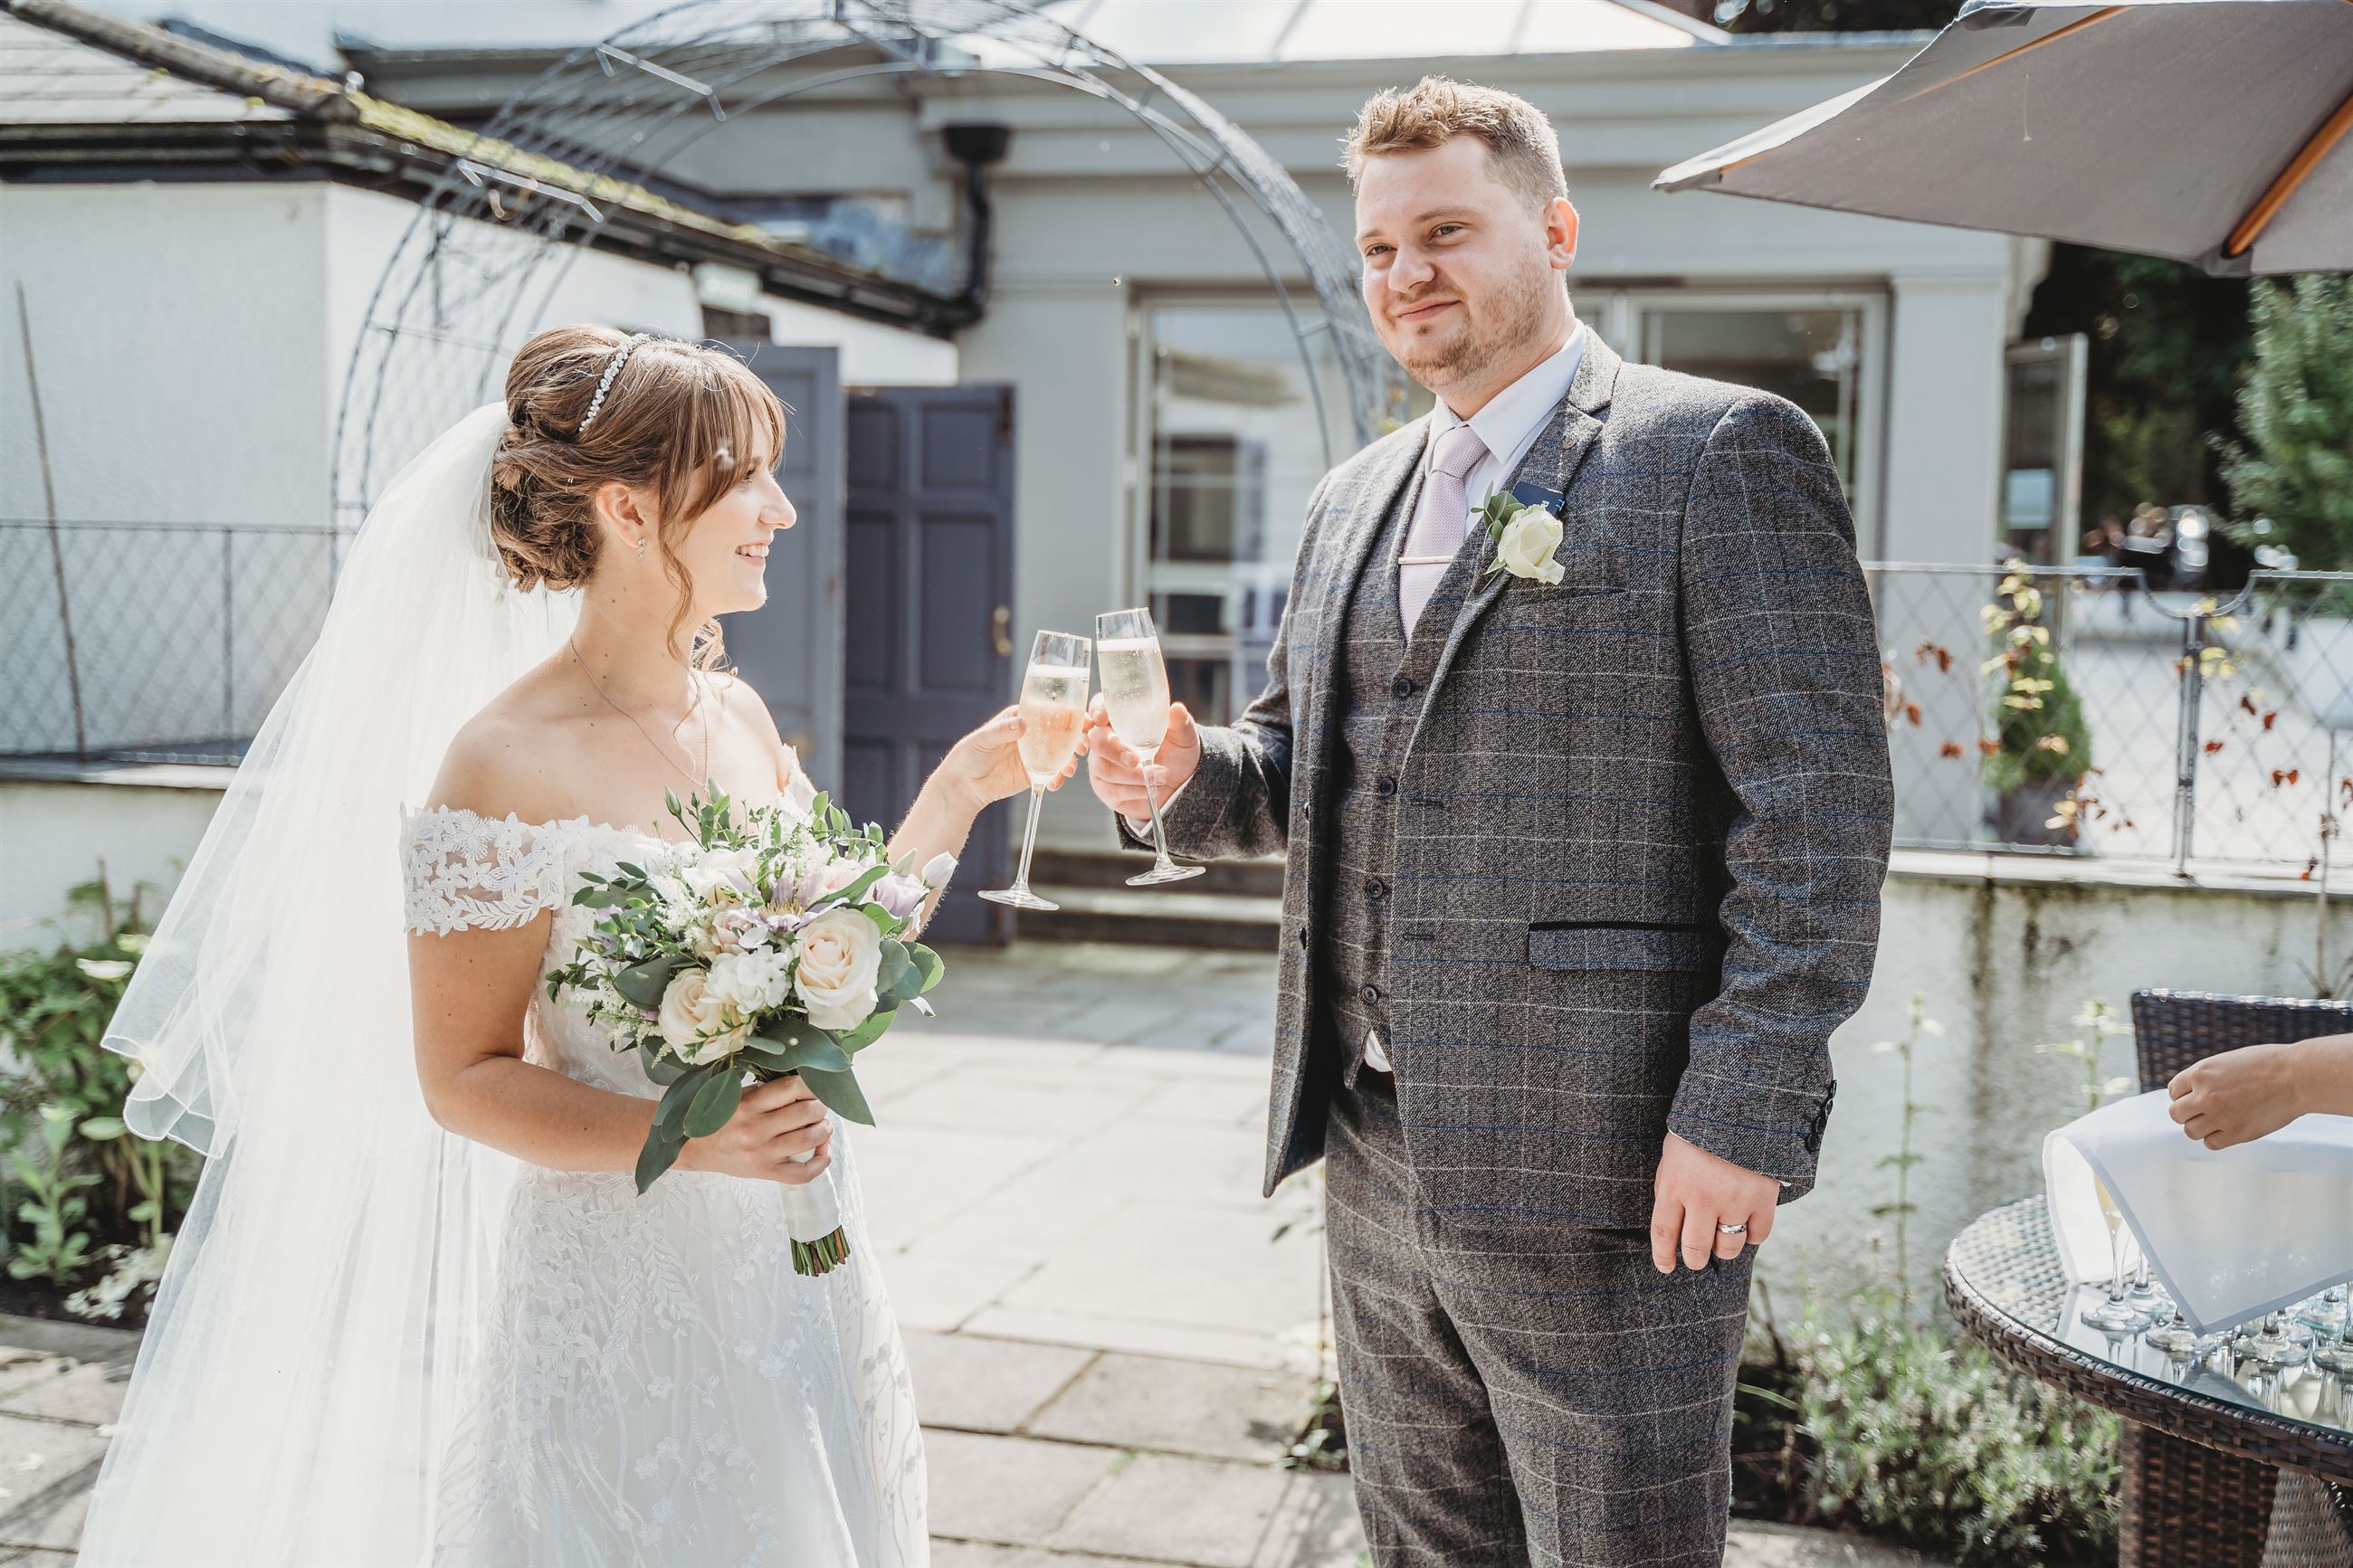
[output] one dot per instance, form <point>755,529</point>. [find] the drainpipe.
<point>977,145</point>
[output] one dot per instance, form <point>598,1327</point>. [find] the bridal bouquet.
<point>771,943</point>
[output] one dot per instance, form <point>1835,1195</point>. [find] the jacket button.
<point>1387,787</point>
<point>1376,890</point>
<point>1371,993</point>
<point>1402,686</point>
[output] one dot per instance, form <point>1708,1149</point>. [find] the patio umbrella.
<point>2213,131</point>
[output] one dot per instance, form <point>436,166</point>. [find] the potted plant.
<point>2041,749</point>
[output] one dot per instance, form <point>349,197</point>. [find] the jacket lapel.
<point>1566,441</point>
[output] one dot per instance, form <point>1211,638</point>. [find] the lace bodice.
<point>462,871</point>
<point>465,872</point>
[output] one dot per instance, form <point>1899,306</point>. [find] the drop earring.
<point>641,550</point>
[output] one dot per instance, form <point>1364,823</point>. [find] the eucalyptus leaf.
<point>658,1155</point>
<point>896,976</point>
<point>841,1093</point>
<point>866,1033</point>
<point>643,984</point>
<point>671,1118</point>
<point>931,964</point>
<point>663,1068</point>
<point>715,1101</point>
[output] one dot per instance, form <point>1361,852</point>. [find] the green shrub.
<point>1917,1435</point>
<point>1895,1426</point>
<point>85,1193</point>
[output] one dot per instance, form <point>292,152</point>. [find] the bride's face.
<point>726,550</point>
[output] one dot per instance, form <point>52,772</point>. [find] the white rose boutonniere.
<point>1526,538</point>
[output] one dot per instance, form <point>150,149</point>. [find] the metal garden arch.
<point>486,251</point>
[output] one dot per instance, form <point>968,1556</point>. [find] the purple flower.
<point>902,896</point>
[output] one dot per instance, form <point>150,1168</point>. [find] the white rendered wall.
<point>55,836</point>
<point>178,332</point>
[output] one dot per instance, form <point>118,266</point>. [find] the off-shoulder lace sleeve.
<point>460,871</point>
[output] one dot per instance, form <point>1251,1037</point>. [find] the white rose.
<point>694,1020</point>
<point>722,871</point>
<point>1527,545</point>
<point>839,953</point>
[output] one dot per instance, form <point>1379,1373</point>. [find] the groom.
<point>1582,872</point>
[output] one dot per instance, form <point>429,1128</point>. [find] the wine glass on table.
<point>2116,1315</point>
<point>1135,696</point>
<point>1053,717</point>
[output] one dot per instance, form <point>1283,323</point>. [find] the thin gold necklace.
<point>573,642</point>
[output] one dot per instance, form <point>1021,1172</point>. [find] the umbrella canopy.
<point>2213,131</point>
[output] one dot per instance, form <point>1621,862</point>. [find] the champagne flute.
<point>1053,716</point>
<point>1135,695</point>
<point>2116,1315</point>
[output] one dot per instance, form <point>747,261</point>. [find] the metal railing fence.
<point>2071,712</point>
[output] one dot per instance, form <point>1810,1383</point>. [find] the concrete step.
<point>1172,915</point>
<point>1112,868</point>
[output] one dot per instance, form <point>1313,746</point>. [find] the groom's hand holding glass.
<point>1119,774</point>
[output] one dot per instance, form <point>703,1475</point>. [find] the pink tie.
<point>1439,525</point>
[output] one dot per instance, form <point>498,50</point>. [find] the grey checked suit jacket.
<point>1643,817</point>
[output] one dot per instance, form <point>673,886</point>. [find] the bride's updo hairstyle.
<point>678,418</point>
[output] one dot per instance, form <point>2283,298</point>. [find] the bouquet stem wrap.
<point>813,1220</point>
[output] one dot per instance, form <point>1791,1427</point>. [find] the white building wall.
<point>178,331</point>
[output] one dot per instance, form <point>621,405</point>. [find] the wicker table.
<point>2221,1470</point>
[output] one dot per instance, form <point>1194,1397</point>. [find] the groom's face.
<point>1461,273</point>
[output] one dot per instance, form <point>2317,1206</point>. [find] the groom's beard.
<point>1512,318</point>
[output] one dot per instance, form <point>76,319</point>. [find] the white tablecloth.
<point>2229,1233</point>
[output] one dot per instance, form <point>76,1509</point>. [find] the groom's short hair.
<point>1522,147</point>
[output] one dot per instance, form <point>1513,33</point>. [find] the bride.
<point>417,1311</point>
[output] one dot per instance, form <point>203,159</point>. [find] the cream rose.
<point>722,873</point>
<point>1526,548</point>
<point>693,1019</point>
<point>839,953</point>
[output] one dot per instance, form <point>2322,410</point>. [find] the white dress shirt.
<point>1508,425</point>
<point>1512,420</point>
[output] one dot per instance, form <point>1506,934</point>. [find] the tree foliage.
<point>2294,464</point>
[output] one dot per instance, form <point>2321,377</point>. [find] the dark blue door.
<point>928,614</point>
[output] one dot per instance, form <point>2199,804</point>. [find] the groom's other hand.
<point>1697,1194</point>
<point>1117,774</point>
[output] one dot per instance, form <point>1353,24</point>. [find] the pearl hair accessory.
<point>605,383</point>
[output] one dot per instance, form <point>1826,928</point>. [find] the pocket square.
<point>1528,493</point>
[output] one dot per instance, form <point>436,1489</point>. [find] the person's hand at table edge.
<point>2237,1097</point>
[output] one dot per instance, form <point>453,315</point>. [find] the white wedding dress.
<point>655,1385</point>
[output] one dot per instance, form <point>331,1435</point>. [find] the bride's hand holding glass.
<point>985,765</point>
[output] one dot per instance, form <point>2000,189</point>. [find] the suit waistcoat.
<point>1380,682</point>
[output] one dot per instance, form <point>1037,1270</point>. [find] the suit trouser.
<point>1516,1394</point>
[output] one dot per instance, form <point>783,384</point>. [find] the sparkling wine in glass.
<point>1053,717</point>
<point>1135,696</point>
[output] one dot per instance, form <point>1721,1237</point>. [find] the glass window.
<point>1813,357</point>
<point>1234,447</point>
